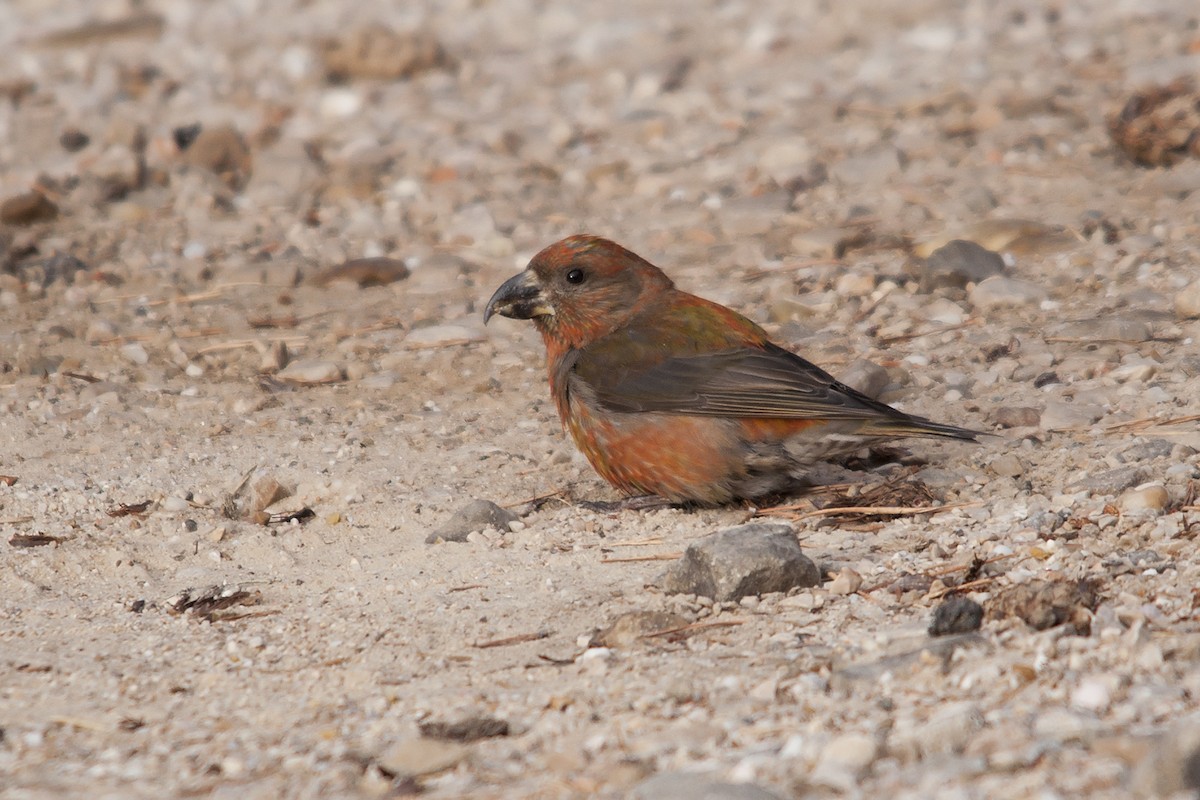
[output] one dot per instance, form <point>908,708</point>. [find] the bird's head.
<point>579,289</point>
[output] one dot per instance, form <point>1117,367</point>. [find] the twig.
<point>904,337</point>
<point>637,543</point>
<point>933,573</point>
<point>211,294</point>
<point>518,639</point>
<point>440,345</point>
<point>1106,340</point>
<point>890,511</point>
<point>15,520</point>
<point>1151,422</point>
<point>658,557</point>
<point>467,588</point>
<point>962,587</point>
<point>237,344</point>
<point>695,626</point>
<point>538,498</point>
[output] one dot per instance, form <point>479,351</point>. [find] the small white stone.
<point>340,103</point>
<point>1092,695</point>
<point>134,353</point>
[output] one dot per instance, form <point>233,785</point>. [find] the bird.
<point>676,397</point>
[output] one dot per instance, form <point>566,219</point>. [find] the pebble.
<point>1120,328</point>
<point>1092,694</point>
<point>692,786</point>
<point>1016,416</point>
<point>1061,725</point>
<point>866,376</point>
<point>1007,466</point>
<point>1059,415</point>
<point>311,371</point>
<point>1187,301</point>
<point>1138,371</point>
<point>27,209</point>
<point>1147,498</point>
<point>222,151</point>
<point>1113,481</point>
<point>872,167</point>
<point>844,759</point>
<point>99,330</point>
<point>375,271</point>
<point>630,628</point>
<point>1147,450</point>
<point>421,756</point>
<point>846,582</point>
<point>73,140</point>
<point>949,730</point>
<point>442,336</point>
<point>174,504</point>
<point>379,53</point>
<point>956,614</point>
<point>471,518</point>
<point>957,263</point>
<point>134,353</point>
<point>1000,291</point>
<point>750,559</point>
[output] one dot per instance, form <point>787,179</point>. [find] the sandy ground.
<point>166,333</point>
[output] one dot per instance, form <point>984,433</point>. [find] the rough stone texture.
<point>473,517</point>
<point>957,263</point>
<point>747,560</point>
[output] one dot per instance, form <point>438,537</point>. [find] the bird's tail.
<point>920,426</point>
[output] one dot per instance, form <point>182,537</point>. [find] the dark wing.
<point>762,382</point>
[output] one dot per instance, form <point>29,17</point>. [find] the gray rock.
<point>957,263</point>
<point>475,516</point>
<point>747,560</point>
<point>865,376</point>
<point>1112,481</point>
<point>1000,291</point>
<point>956,615</point>
<point>690,786</point>
<point>1146,450</point>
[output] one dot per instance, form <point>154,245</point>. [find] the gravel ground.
<point>197,390</point>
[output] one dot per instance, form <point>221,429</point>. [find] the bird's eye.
<point>575,276</point>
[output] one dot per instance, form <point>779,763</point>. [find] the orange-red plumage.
<point>673,395</point>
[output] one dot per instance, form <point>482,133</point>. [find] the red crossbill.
<point>669,394</point>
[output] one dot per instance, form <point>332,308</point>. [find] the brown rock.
<point>378,271</point>
<point>223,152</point>
<point>379,52</point>
<point>27,209</point>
